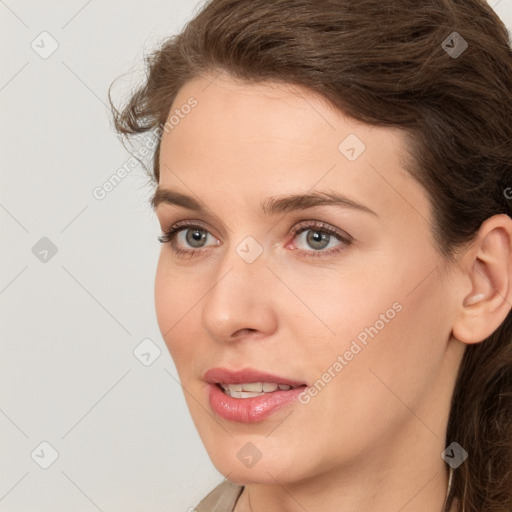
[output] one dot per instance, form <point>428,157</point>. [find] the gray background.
<point>72,320</point>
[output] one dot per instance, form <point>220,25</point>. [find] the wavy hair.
<point>389,63</point>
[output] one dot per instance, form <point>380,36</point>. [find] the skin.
<point>372,438</point>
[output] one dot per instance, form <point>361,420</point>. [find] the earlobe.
<point>487,264</point>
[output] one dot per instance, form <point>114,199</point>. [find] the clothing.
<point>222,499</point>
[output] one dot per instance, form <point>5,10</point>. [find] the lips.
<point>249,396</point>
<point>225,376</point>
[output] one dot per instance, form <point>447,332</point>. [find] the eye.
<point>187,234</point>
<point>319,236</point>
<point>315,239</point>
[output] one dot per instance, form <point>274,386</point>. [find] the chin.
<point>254,475</point>
<point>243,464</point>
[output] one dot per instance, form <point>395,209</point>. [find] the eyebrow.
<point>270,206</point>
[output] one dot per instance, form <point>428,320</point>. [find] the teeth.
<point>252,389</point>
<point>245,394</point>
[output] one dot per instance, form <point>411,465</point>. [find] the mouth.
<point>253,389</point>
<point>249,396</point>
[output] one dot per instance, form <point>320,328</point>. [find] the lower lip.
<point>250,410</point>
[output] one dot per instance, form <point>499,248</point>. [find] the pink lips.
<point>248,410</point>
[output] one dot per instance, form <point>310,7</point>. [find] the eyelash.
<point>170,235</point>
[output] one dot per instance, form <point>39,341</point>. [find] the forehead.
<point>270,113</point>
<point>254,139</point>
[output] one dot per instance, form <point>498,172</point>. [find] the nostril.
<point>243,332</point>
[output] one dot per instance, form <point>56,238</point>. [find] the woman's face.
<point>349,300</point>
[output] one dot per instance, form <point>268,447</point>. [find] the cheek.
<point>395,364</point>
<point>174,300</point>
<point>338,304</point>
<point>165,302</point>
<point>403,349</point>
<point>390,329</point>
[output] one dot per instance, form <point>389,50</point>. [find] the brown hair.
<point>388,63</point>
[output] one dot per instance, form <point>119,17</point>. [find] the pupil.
<point>316,239</point>
<point>195,236</point>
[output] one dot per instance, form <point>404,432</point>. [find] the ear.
<point>487,269</point>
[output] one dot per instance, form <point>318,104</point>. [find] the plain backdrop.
<point>92,416</point>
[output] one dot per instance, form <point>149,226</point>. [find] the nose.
<point>240,303</point>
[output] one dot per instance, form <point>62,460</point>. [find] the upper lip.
<point>245,375</point>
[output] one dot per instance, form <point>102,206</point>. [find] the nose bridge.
<point>239,298</point>
<point>243,267</point>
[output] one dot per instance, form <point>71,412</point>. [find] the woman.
<point>335,280</point>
